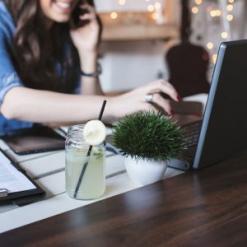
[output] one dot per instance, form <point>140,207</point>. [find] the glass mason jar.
<point>85,175</point>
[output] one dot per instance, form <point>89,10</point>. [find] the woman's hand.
<point>86,36</point>
<point>145,98</point>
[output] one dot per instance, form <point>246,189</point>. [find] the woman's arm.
<point>48,107</point>
<point>86,40</point>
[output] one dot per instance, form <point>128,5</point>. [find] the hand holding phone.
<point>86,27</point>
<point>76,22</point>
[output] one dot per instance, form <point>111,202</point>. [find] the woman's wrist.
<point>94,74</point>
<point>111,114</point>
<point>88,60</point>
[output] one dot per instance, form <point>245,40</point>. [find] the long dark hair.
<point>45,59</point>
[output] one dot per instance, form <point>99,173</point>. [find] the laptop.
<point>222,132</point>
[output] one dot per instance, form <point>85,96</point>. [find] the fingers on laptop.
<point>162,86</point>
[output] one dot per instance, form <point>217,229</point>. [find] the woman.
<point>48,67</point>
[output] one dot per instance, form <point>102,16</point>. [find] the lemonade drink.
<point>92,185</point>
<point>93,182</point>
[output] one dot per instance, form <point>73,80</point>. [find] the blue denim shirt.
<point>8,75</point>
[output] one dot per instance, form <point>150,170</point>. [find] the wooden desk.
<point>204,208</point>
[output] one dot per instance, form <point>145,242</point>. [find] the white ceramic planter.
<point>143,172</point>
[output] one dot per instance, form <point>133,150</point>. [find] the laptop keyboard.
<point>191,133</point>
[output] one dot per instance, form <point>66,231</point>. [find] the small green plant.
<point>148,135</point>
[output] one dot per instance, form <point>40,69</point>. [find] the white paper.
<point>12,179</point>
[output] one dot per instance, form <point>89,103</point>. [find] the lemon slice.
<point>94,132</point>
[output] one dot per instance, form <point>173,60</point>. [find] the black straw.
<point>102,110</point>
<point>88,154</point>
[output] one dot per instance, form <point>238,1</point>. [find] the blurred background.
<point>177,40</point>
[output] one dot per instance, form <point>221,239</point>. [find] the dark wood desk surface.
<point>205,208</point>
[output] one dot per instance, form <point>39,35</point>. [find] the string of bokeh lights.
<point>214,12</point>
<point>155,8</point>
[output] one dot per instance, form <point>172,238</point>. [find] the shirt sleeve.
<point>8,75</point>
